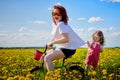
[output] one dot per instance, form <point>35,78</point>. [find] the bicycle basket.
<point>37,55</point>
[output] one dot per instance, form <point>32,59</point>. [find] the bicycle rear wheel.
<point>77,72</point>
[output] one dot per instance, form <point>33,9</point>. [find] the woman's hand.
<point>49,45</point>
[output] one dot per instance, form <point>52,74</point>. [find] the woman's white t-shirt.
<point>74,40</point>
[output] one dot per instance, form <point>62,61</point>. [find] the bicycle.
<point>74,67</point>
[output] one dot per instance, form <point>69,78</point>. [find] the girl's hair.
<point>100,34</point>
<point>62,12</point>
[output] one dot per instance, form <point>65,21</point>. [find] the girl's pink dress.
<point>93,54</point>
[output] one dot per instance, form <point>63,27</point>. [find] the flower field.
<point>15,64</point>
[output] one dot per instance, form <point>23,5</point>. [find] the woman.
<point>66,41</point>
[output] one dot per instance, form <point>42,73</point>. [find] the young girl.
<point>94,49</point>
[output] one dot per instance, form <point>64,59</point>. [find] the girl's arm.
<point>101,48</point>
<point>88,43</point>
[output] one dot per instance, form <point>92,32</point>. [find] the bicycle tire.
<point>78,68</point>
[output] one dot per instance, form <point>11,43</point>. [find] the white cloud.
<point>111,28</point>
<point>79,30</point>
<point>81,19</point>
<point>3,34</point>
<point>115,0</point>
<point>70,19</point>
<point>106,30</point>
<point>95,19</point>
<point>39,22</point>
<point>24,29</point>
<point>58,3</point>
<point>26,39</point>
<point>102,0</point>
<point>91,29</point>
<point>110,0</point>
<point>49,8</point>
<point>116,34</point>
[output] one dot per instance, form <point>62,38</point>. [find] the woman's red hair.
<point>63,13</point>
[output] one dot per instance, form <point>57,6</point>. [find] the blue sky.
<point>27,23</point>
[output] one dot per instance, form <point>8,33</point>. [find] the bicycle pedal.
<point>41,68</point>
<point>34,69</point>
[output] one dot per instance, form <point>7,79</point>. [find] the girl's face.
<point>56,15</point>
<point>96,38</point>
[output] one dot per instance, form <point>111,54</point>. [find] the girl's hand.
<point>88,43</point>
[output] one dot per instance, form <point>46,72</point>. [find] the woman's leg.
<point>52,55</point>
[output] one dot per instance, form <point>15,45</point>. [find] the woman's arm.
<point>64,39</point>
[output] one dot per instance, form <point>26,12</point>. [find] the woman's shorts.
<point>67,52</point>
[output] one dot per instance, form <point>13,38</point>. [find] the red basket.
<point>37,55</point>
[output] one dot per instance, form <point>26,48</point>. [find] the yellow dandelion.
<point>5,71</point>
<point>4,68</point>
<point>94,73</point>
<point>89,73</point>
<point>26,78</point>
<point>92,79</point>
<point>10,78</point>
<point>4,77</point>
<point>46,78</point>
<point>49,72</point>
<point>21,78</point>
<point>111,78</point>
<point>69,72</point>
<point>104,77</point>
<point>29,75</point>
<point>16,77</point>
<point>65,73</point>
<point>104,71</point>
<point>111,75</point>
<point>24,70</point>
